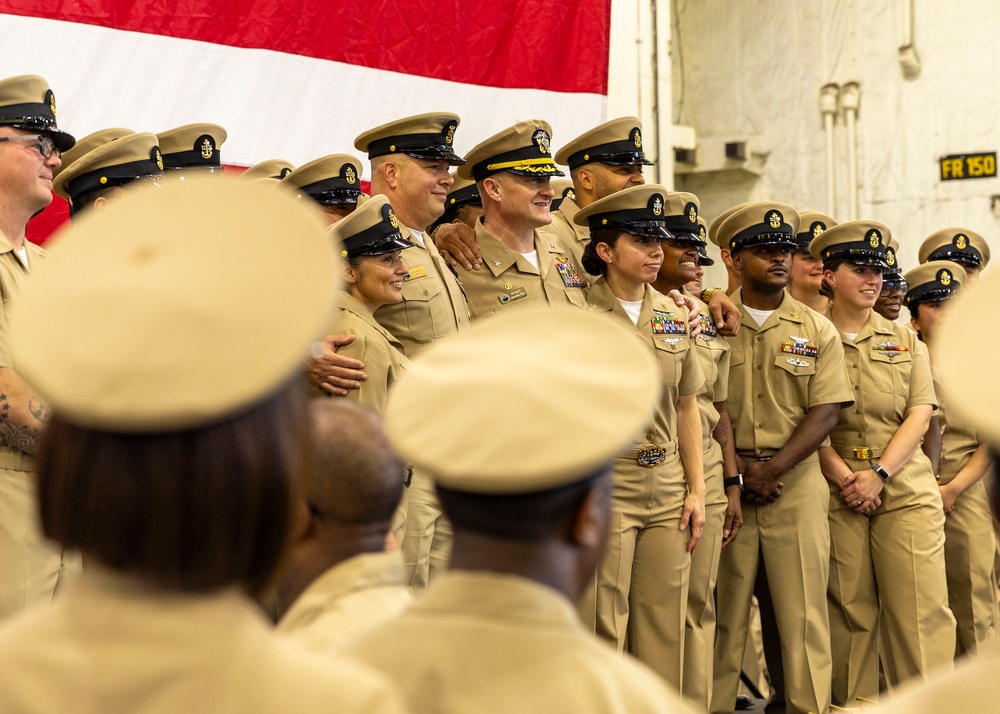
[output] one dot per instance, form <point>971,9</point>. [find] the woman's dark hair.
<point>830,264</point>
<point>592,262</point>
<point>190,510</point>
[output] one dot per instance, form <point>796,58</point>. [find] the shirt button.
<point>857,411</point>
<point>854,366</point>
<point>856,387</point>
<point>760,366</point>
<point>861,436</point>
<point>760,396</point>
<point>759,338</point>
<point>760,426</point>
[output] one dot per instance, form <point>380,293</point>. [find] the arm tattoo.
<point>22,438</point>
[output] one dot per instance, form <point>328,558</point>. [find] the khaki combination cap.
<point>333,180</point>
<point>963,340</point>
<point>934,281</point>
<point>857,242</point>
<point>372,229</point>
<point>26,102</point>
<point>682,211</point>
<point>756,224</point>
<point>563,189</point>
<point>616,143</point>
<point>424,136</point>
<point>639,210</point>
<point>958,244</point>
<point>272,169</point>
<point>192,146</point>
<point>115,163</point>
<point>121,330</point>
<point>713,227</point>
<point>811,225</point>
<point>892,273</point>
<point>89,143</point>
<point>703,257</point>
<point>524,149</point>
<point>556,425</point>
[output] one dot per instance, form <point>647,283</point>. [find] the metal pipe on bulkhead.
<point>828,96</point>
<point>850,98</point>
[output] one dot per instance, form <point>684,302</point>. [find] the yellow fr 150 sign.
<point>968,166</point>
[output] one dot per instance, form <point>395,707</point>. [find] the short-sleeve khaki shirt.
<point>13,273</point>
<point>888,374</point>
<point>507,279</point>
<point>779,371</point>
<point>572,237</point>
<point>713,353</point>
<point>958,441</point>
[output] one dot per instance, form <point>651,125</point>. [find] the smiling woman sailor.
<point>641,588</point>
<point>887,570</point>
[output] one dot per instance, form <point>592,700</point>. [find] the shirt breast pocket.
<point>670,354</point>
<point>576,297</point>
<point>736,377</point>
<point>791,382</point>
<point>424,300</point>
<point>891,371</point>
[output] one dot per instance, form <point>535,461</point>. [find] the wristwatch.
<point>881,473</point>
<point>736,480</point>
<point>706,297</point>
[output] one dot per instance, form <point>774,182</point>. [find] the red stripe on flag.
<point>521,44</point>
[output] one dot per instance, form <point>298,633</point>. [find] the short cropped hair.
<point>191,510</point>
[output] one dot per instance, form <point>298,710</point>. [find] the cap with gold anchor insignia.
<point>681,213</point>
<point>88,144</point>
<point>713,227</point>
<point>26,102</point>
<point>615,143</point>
<point>857,242</point>
<point>462,193</point>
<point>524,149</point>
<point>756,224</point>
<point>934,281</point>
<point>272,169</point>
<point>424,136</point>
<point>958,244</point>
<point>192,146</point>
<point>115,163</point>
<point>148,345</point>
<point>639,210</point>
<point>811,225</point>
<point>372,229</point>
<point>703,257</point>
<point>330,180</point>
<point>559,427</point>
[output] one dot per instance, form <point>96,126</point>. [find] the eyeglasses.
<point>894,287</point>
<point>44,144</point>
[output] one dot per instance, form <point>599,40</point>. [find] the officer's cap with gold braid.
<point>463,193</point>
<point>857,242</point>
<point>958,244</point>
<point>557,428</point>
<point>331,180</point>
<point>616,143</point>
<point>116,163</point>
<point>372,229</point>
<point>811,225</point>
<point>934,281</point>
<point>564,189</point>
<point>523,149</point>
<point>148,345</point>
<point>272,169</point>
<point>680,213</point>
<point>892,274</point>
<point>703,257</point>
<point>714,226</point>
<point>192,146</point>
<point>639,210</point>
<point>89,143</point>
<point>764,223</point>
<point>424,136</point>
<point>965,344</point>
<point>26,102</point>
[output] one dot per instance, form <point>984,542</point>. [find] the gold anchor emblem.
<point>692,214</point>
<point>890,257</point>
<point>874,238</point>
<point>52,102</point>
<point>542,139</point>
<point>657,205</point>
<point>450,136</point>
<point>961,242</point>
<point>350,176</point>
<point>818,228</point>
<point>393,221</point>
<point>944,277</point>
<point>207,150</point>
<point>637,138</point>
<point>774,219</point>
<point>158,158</point>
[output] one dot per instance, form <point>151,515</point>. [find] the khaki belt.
<point>861,453</point>
<point>650,455</point>
<point>753,456</point>
<point>15,460</point>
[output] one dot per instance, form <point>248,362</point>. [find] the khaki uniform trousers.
<point>426,542</point>
<point>699,627</point>
<point>31,567</point>
<point>792,537</point>
<point>639,598</point>
<point>968,557</point>
<point>893,562</point>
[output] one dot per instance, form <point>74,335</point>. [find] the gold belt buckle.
<point>650,456</point>
<point>863,453</point>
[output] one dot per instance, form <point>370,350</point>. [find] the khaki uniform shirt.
<point>779,371</point>
<point>564,232</point>
<point>713,354</point>
<point>375,346</point>
<point>433,304</point>
<point>13,273</point>
<point>958,442</point>
<point>486,642</point>
<point>663,326</point>
<point>889,375</point>
<point>348,600</point>
<point>506,279</point>
<point>108,644</point>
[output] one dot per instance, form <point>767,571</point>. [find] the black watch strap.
<point>736,480</point>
